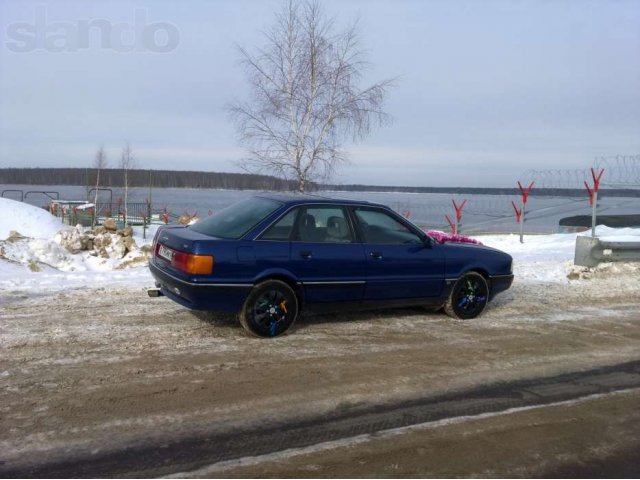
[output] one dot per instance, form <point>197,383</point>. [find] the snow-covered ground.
<point>542,258</point>
<point>39,257</point>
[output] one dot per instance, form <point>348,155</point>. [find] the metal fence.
<point>85,214</point>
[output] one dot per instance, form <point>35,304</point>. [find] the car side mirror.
<point>428,242</point>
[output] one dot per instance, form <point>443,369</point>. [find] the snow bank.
<point>618,234</point>
<point>27,220</point>
<point>549,258</point>
<point>48,255</point>
<point>541,257</point>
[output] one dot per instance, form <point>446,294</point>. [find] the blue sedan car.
<point>270,256</point>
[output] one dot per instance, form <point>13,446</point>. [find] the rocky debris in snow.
<point>132,261</point>
<point>127,231</point>
<point>110,224</point>
<point>580,273</point>
<point>76,249</point>
<point>35,252</point>
<point>604,270</point>
<point>101,241</point>
<point>14,235</point>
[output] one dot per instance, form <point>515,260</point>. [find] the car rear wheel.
<point>469,297</point>
<point>270,309</point>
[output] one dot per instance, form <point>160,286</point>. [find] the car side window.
<point>380,227</point>
<point>323,225</point>
<point>281,230</point>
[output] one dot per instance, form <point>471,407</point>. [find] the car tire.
<point>468,298</point>
<point>271,308</point>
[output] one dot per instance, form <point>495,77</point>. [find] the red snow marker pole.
<point>458,210</point>
<point>525,191</point>
<point>451,225</point>
<point>593,197</point>
<point>165,215</point>
<point>596,179</point>
<point>525,196</point>
<point>591,192</point>
<point>518,212</point>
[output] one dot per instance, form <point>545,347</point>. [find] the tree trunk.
<point>95,201</point>
<point>126,195</point>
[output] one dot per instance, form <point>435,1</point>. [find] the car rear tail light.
<point>188,262</point>
<point>194,264</point>
<point>154,244</point>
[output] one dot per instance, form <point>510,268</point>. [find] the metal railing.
<point>85,214</point>
<point>4,192</point>
<point>591,251</point>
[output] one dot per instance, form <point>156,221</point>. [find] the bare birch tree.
<point>127,162</point>
<point>99,164</point>
<point>305,97</point>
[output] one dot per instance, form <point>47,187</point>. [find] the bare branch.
<point>306,99</point>
<point>99,163</point>
<point>127,162</point>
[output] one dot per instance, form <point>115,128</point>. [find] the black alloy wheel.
<point>469,297</point>
<point>270,309</point>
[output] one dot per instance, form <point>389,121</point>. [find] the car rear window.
<point>236,220</point>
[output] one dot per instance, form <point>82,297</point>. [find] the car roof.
<point>305,198</point>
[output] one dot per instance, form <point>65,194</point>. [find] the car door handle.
<point>305,254</point>
<point>376,255</point>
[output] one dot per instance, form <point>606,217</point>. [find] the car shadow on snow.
<point>308,318</point>
<point>217,319</point>
<point>230,322</point>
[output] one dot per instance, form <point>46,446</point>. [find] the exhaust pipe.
<point>154,292</point>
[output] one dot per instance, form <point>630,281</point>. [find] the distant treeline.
<point>112,177</point>
<point>540,192</point>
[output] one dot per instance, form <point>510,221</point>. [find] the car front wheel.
<point>468,298</point>
<point>270,309</point>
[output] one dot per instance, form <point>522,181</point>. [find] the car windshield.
<point>236,220</point>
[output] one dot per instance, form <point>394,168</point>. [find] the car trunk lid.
<point>182,239</point>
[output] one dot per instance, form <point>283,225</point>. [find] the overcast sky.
<point>489,89</point>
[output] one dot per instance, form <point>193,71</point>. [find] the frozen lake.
<point>482,213</point>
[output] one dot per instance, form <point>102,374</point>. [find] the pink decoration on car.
<point>442,237</point>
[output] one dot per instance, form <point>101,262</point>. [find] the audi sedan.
<point>271,256</point>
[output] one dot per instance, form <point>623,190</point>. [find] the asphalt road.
<point>108,382</point>
<point>189,454</point>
